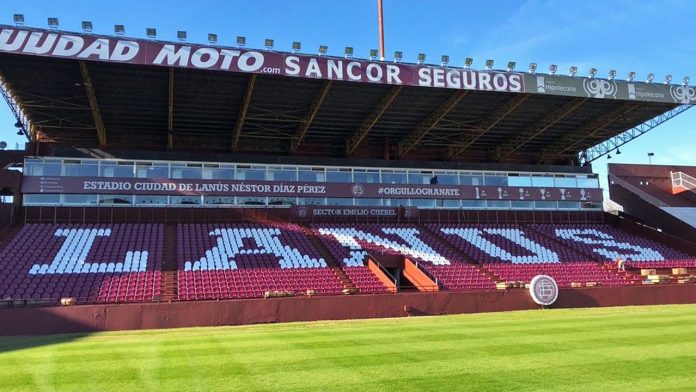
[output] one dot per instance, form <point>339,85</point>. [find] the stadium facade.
<point>177,173</point>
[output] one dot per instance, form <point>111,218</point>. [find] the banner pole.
<point>380,14</point>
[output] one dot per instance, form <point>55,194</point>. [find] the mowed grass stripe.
<point>573,349</point>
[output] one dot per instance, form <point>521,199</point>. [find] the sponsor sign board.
<point>188,187</point>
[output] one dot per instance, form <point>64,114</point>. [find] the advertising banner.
<point>82,46</point>
<point>188,187</point>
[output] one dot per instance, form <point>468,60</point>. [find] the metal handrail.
<point>643,194</point>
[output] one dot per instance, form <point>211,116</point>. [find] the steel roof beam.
<point>530,133</point>
<point>424,127</point>
<point>491,121</point>
<point>371,119</point>
<point>93,104</point>
<point>307,119</point>
<point>574,140</point>
<point>236,132</point>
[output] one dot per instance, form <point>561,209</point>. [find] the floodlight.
<point>19,19</point>
<point>3,145</point>
<point>323,49</point>
<point>241,41</point>
<point>53,23</point>
<point>612,74</point>
<point>532,68</point>
<point>489,64</point>
<point>553,68</point>
<point>631,76</point>
<point>444,60</point>
<point>618,152</point>
<point>421,58</point>
<point>268,43</point>
<point>650,77</point>
<point>151,32</point>
<point>20,132</point>
<point>468,61</point>
<point>212,38</point>
<point>511,66</point>
<point>668,79</point>
<point>593,72</point>
<point>349,52</point>
<point>398,55</point>
<point>608,156</point>
<point>373,54</point>
<point>573,70</point>
<point>119,29</point>
<point>86,26</point>
<point>685,81</point>
<point>296,46</point>
<point>18,124</point>
<point>181,35</point>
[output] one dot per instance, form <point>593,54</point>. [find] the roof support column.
<point>236,132</point>
<point>368,122</point>
<point>93,105</point>
<point>486,125</point>
<point>307,119</point>
<point>430,122</point>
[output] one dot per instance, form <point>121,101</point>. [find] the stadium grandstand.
<point>206,180</point>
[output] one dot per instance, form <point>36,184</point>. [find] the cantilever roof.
<point>84,102</point>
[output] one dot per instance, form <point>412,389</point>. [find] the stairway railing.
<point>641,193</point>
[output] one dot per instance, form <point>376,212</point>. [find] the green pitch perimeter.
<point>621,349</point>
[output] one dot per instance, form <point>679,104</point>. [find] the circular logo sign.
<point>358,190</point>
<point>302,212</point>
<point>543,289</point>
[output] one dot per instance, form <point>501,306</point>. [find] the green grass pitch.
<point>601,349</point>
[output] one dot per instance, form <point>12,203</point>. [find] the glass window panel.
<point>81,170</point>
<point>339,176</point>
<point>574,205</point>
<point>79,199</point>
<point>368,202</point>
<point>251,201</point>
<point>114,169</point>
<point>282,174</point>
<point>249,173</point>
<point>473,203</point>
<point>470,179</point>
<point>305,201</point>
<point>394,178</point>
<point>542,181</point>
<point>152,171</point>
<point>545,205</point>
<point>522,204</point>
<point>584,182</point>
<point>313,175</point>
<point>338,201</point>
<point>370,177</point>
<point>519,181</point>
<point>282,201</point>
<point>218,200</point>
<point>150,200</point>
<point>41,199</point>
<point>420,178</point>
<point>115,199</point>
<point>184,200</point>
<point>447,179</point>
<point>565,182</point>
<point>423,203</point>
<point>449,203</point>
<point>495,180</point>
<point>498,204</point>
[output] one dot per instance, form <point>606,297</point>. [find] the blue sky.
<point>625,35</point>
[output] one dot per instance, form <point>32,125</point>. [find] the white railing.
<point>641,193</point>
<point>683,180</point>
